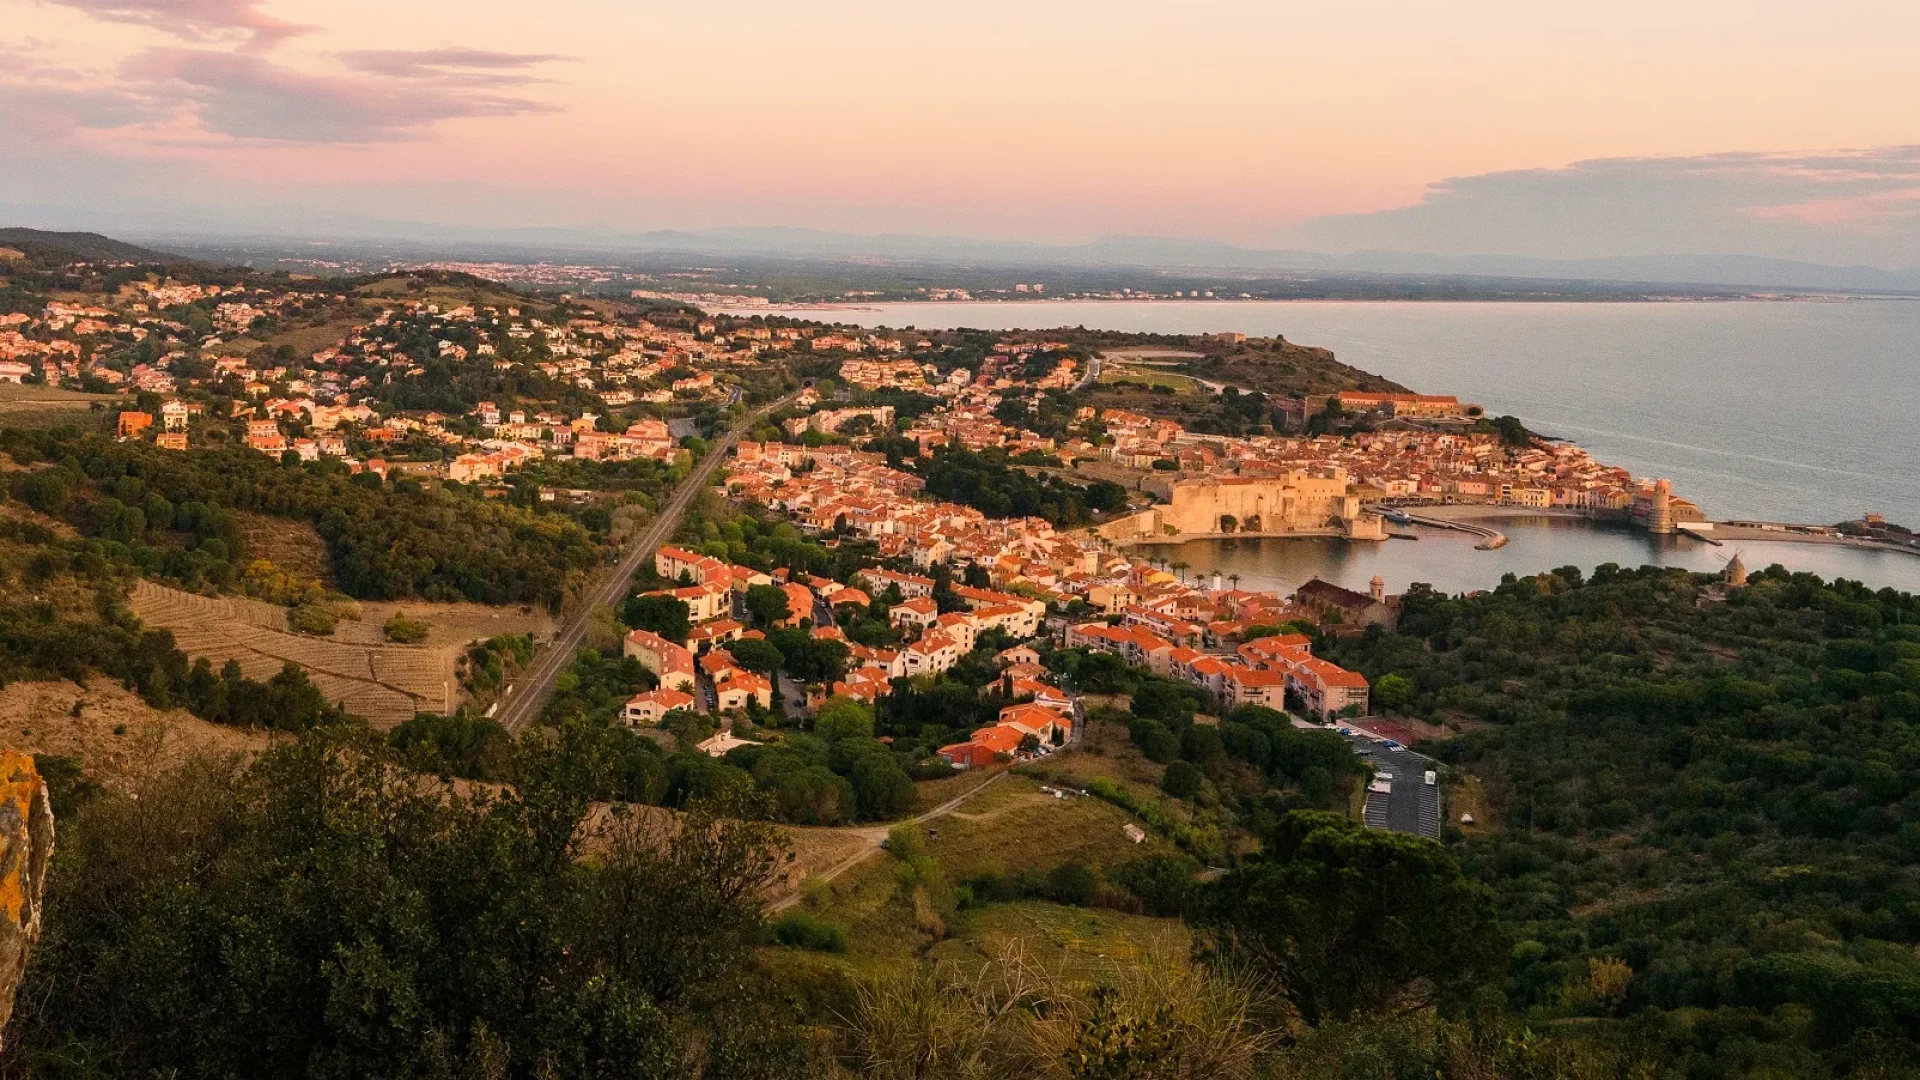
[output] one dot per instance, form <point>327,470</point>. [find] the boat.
<point>1397,516</point>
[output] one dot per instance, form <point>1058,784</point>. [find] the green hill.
<point>82,245</point>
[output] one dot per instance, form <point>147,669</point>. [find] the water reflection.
<point>1448,560</point>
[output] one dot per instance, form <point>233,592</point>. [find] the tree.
<point>1029,744</point>
<point>1182,780</point>
<point>808,658</point>
<point>757,655</point>
<point>768,603</point>
<point>1106,497</point>
<point>1170,702</point>
<point>1162,882</point>
<point>1351,922</point>
<point>325,912</point>
<point>1392,691</point>
<point>662,614</point>
<point>881,788</point>
<point>843,718</point>
<point>1153,739</point>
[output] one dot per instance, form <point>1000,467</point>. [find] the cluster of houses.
<point>1405,463</point>
<point>1026,729</point>
<point>1264,671</point>
<point>322,404</point>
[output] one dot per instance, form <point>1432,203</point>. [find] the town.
<point>844,460</point>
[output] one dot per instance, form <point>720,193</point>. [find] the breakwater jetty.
<point>1490,538</point>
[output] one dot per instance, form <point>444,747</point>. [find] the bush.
<point>1162,882</point>
<point>404,631</point>
<point>311,619</point>
<point>1074,883</point>
<point>1182,780</point>
<point>800,930</point>
<point>1152,738</point>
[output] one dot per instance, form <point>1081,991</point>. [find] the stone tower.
<point>1660,519</point>
<point>1377,588</point>
<point>1736,572</point>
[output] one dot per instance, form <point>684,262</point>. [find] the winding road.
<point>529,694</point>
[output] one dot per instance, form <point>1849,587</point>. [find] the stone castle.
<point>1314,502</point>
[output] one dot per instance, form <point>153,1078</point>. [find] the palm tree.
<point>1235,578</point>
<point>1181,569</point>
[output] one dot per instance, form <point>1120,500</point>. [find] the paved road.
<point>876,833</point>
<point>531,692</point>
<point>1091,376</point>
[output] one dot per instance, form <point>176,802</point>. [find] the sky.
<point>1565,130</point>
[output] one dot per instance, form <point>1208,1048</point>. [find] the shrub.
<point>1162,882</point>
<point>1153,739</point>
<point>404,631</point>
<point>311,619</point>
<point>1074,883</point>
<point>802,930</point>
<point>1182,780</point>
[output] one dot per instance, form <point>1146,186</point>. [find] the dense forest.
<point>169,512</point>
<point>1705,804</point>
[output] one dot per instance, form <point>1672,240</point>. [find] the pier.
<point>1490,538</point>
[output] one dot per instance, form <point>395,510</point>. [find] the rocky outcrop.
<point>26,847</point>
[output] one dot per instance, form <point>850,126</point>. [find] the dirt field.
<point>383,682</point>
<point>304,339</point>
<point>118,737</point>
<point>45,406</point>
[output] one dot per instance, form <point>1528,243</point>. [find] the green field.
<point>1179,384</point>
<point>891,918</point>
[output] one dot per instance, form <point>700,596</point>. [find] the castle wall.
<point>1295,502</point>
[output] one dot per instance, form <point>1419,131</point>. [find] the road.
<point>876,833</point>
<point>529,694</point>
<point>1092,375</point>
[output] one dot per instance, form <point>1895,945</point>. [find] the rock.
<point>26,846</point>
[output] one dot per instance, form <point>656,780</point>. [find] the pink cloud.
<point>251,98</point>
<point>195,20</point>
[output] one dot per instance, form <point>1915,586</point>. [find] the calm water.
<point>1781,411</point>
<point>1448,561</point>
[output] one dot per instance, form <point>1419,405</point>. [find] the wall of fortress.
<point>1222,506</point>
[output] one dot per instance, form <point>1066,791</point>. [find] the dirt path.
<point>872,835</point>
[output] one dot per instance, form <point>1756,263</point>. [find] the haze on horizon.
<point>1484,128</point>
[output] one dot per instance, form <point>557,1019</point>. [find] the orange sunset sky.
<point>1555,129</point>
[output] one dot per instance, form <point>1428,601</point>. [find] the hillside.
<point>82,245</point>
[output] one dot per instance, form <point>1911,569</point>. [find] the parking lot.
<point>1410,804</point>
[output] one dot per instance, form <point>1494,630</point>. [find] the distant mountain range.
<point>1745,272</point>
<point>420,239</point>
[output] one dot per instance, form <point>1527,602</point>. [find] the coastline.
<point>1728,533</point>
<point>877,305</point>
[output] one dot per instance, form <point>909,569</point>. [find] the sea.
<point>1793,411</point>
